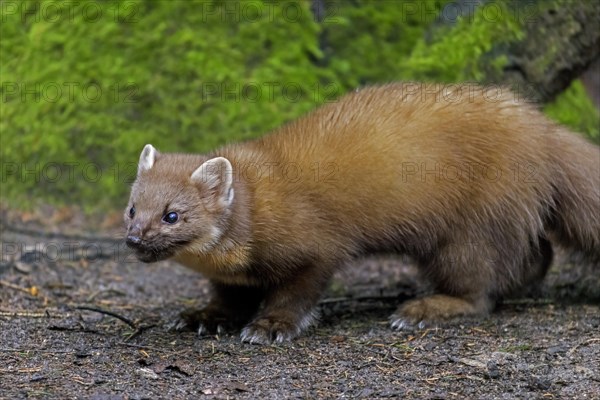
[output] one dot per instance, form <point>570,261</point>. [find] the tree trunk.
<point>562,39</point>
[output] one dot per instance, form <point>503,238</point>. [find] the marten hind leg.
<point>539,261</point>
<point>464,276</point>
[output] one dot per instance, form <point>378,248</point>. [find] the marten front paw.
<point>266,331</point>
<point>207,321</point>
<point>279,329</point>
<point>421,313</point>
<point>185,321</point>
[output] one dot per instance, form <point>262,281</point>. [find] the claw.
<point>202,330</point>
<point>267,330</point>
<point>404,324</point>
<point>400,324</point>
<point>177,325</point>
<point>248,336</point>
<point>280,337</point>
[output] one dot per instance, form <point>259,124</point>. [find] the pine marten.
<point>473,185</point>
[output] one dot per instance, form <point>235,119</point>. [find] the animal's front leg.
<point>289,308</point>
<point>229,308</point>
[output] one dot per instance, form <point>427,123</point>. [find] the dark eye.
<point>171,218</point>
<point>131,212</point>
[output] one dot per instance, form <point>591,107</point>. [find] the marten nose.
<point>134,235</point>
<point>133,241</point>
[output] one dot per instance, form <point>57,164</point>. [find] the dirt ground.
<point>80,318</point>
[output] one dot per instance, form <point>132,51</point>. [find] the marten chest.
<point>227,266</point>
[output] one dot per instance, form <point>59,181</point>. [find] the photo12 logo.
<point>71,11</point>
<point>494,11</point>
<point>253,92</point>
<point>250,11</point>
<point>54,172</point>
<point>71,92</point>
<point>53,251</point>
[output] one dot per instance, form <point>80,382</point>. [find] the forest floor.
<point>80,318</point>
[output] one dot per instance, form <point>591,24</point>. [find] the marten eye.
<point>132,212</point>
<point>171,218</point>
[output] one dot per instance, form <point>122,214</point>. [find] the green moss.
<point>574,109</point>
<point>462,52</point>
<point>86,85</point>
<point>370,39</point>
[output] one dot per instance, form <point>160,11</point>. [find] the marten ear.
<point>216,175</point>
<point>147,158</point>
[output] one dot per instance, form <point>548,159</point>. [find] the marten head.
<point>177,200</point>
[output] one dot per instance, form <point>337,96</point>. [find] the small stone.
<point>22,267</point>
<point>430,346</point>
<point>37,378</point>
<point>82,354</point>
<point>541,383</point>
<point>492,370</point>
<point>147,373</point>
<point>556,349</point>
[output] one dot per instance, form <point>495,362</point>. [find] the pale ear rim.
<point>205,171</point>
<point>217,174</point>
<point>147,158</point>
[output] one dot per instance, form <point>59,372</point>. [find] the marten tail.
<point>576,179</point>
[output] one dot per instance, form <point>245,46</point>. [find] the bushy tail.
<point>576,219</point>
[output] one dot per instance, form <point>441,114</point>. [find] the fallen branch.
<point>332,300</point>
<point>27,314</point>
<point>33,290</point>
<point>138,331</point>
<point>131,324</point>
<point>584,343</point>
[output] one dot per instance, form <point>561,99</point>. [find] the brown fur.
<point>472,186</point>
